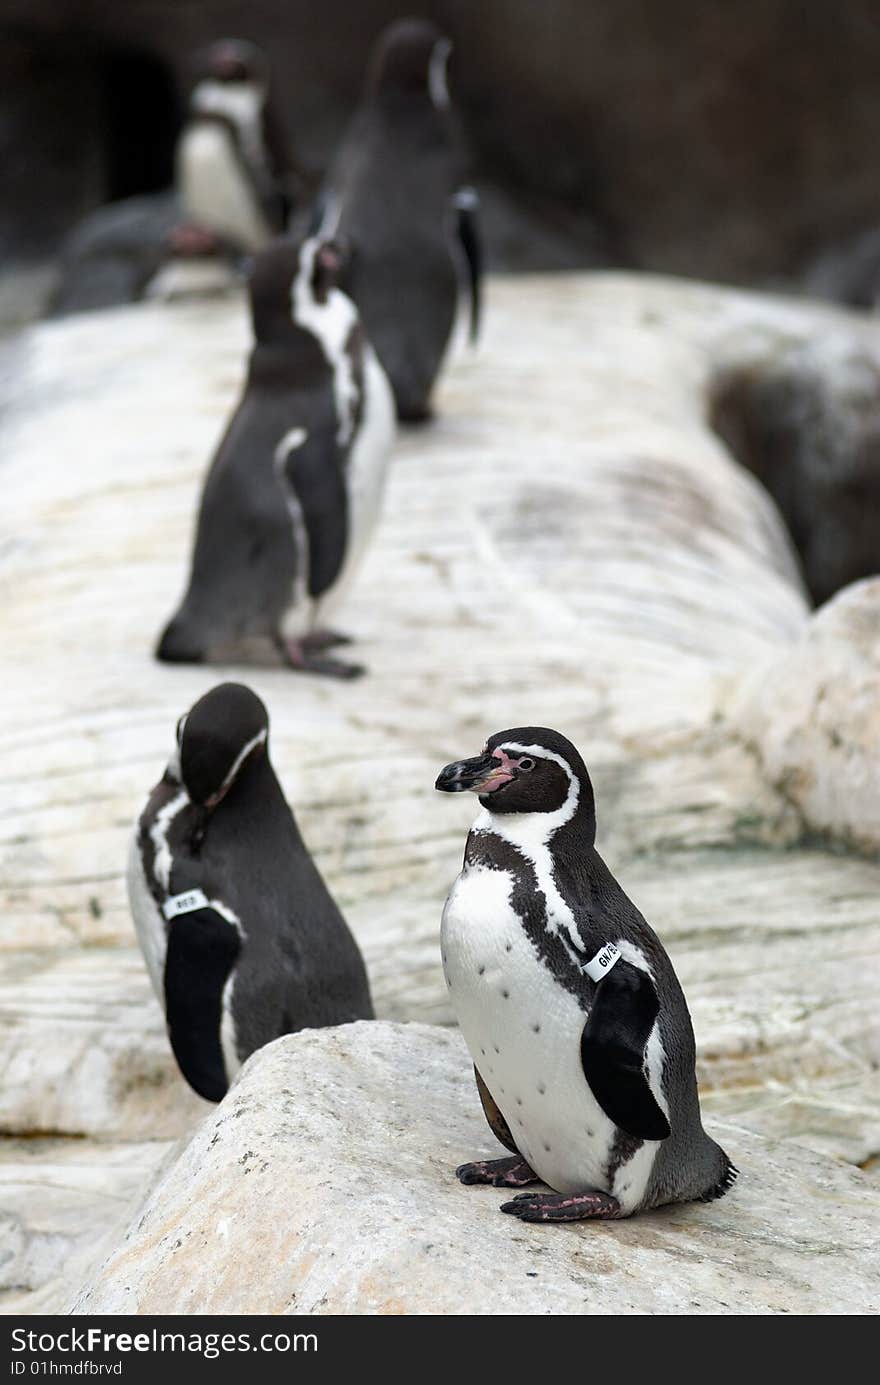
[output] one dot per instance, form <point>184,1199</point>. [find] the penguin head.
<point>233,61</point>
<point>225,730</point>
<point>410,59</point>
<point>286,269</point>
<point>529,769</point>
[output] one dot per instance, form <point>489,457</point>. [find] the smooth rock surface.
<point>324,1184</point>
<point>62,1204</point>
<point>813,715</point>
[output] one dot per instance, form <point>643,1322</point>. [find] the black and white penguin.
<point>113,254</point>
<point>293,492</point>
<point>576,1022</point>
<point>233,166</point>
<point>395,194</point>
<point>241,937</point>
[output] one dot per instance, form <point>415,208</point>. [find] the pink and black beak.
<point>481,775</point>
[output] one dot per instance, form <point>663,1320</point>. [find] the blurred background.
<point>727,142</point>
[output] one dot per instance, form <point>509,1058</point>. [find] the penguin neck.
<point>573,823</point>
<point>254,807</point>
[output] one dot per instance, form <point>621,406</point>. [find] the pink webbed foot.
<point>303,658</point>
<point>324,639</point>
<point>554,1207</point>
<point>498,1173</point>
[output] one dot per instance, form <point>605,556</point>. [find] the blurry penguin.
<point>234,169</point>
<point>395,194</point>
<point>241,937</point>
<point>293,492</point>
<point>113,254</point>
<point>235,179</point>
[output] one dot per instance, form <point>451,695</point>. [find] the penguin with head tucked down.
<point>293,492</point>
<point>395,193</point>
<point>234,168</point>
<point>241,937</point>
<point>574,1017</point>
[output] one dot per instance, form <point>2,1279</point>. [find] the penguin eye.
<point>525,763</point>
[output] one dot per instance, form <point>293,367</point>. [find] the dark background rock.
<point>726,141</point>
<point>806,423</point>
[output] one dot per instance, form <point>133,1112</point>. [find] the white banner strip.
<point>184,903</point>
<point>601,964</point>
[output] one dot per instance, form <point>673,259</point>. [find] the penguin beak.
<point>483,774</point>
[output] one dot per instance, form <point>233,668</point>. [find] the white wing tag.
<point>601,964</point>
<point>184,903</point>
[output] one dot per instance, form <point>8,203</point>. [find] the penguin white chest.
<point>523,1029</point>
<point>367,469</point>
<point>215,190</point>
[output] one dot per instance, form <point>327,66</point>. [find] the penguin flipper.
<point>202,950</point>
<point>613,1043</point>
<point>319,487</point>
<point>466,205</point>
<point>497,1124</point>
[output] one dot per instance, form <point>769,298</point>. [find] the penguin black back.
<point>391,193</point>
<point>241,936</point>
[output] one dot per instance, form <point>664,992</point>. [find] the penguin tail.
<point>729,1175</point>
<point>178,645</point>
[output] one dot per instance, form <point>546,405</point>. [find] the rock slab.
<point>324,1184</point>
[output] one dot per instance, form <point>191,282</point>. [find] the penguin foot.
<point>498,1173</point>
<point>324,639</point>
<point>300,657</point>
<point>547,1207</point>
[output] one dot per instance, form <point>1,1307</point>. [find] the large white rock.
<point>324,1184</point>
<point>813,716</point>
<point>570,545</point>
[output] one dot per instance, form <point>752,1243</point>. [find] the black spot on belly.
<point>496,1048</point>
<point>505,995</point>
<point>541,1089</point>
<point>536,1028</point>
<point>481,971</point>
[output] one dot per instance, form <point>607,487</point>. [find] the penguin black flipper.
<point>497,1124</point>
<point>466,205</point>
<point>202,950</point>
<point>320,492</point>
<point>625,1006</point>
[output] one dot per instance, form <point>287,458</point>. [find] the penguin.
<point>579,1030</point>
<point>113,254</point>
<point>395,193</point>
<point>242,939</point>
<point>293,492</point>
<point>234,169</point>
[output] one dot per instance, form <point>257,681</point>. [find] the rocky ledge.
<point>324,1183</point>
<point>568,544</point>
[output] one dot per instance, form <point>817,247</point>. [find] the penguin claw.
<point>498,1173</point>
<point>562,1207</point>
